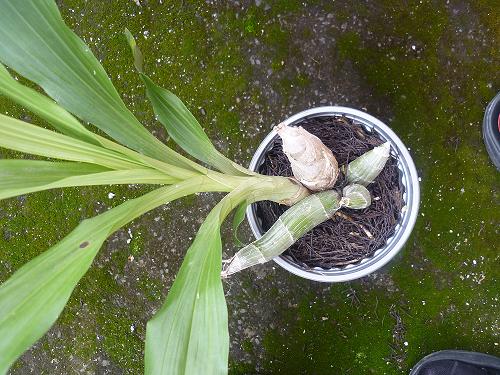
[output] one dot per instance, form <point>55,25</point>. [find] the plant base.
<point>356,234</point>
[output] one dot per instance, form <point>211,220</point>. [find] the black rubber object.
<point>491,130</point>
<point>457,362</point>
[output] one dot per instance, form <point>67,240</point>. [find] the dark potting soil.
<point>353,234</point>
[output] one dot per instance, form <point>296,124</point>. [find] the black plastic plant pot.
<point>411,197</point>
<point>491,130</point>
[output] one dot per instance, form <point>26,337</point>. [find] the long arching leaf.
<point>189,334</point>
<point>64,122</point>
<point>44,107</point>
<point>20,136</point>
<point>186,131</point>
<point>38,45</point>
<point>27,176</point>
<point>34,296</point>
<point>180,123</point>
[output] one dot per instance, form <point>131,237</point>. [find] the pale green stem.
<point>368,166</point>
<point>293,224</point>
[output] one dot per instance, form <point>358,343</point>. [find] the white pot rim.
<point>411,197</point>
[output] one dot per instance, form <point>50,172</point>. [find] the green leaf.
<point>44,107</point>
<point>38,45</point>
<point>20,136</point>
<point>27,176</point>
<point>185,130</point>
<point>64,122</point>
<point>189,334</point>
<point>239,216</point>
<point>136,52</point>
<point>34,296</point>
<point>180,123</point>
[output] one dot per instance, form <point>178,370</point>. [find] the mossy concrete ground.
<point>427,69</point>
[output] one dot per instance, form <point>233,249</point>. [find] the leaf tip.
<point>136,52</point>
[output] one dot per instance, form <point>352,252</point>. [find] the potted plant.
<point>40,47</point>
<point>392,221</point>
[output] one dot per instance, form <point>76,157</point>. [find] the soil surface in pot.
<point>352,234</point>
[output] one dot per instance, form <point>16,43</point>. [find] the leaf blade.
<point>180,123</point>
<point>37,44</point>
<point>176,344</point>
<point>186,131</point>
<point>20,136</point>
<point>64,122</point>
<point>183,297</point>
<point>43,106</point>
<point>19,177</point>
<point>136,52</point>
<point>42,286</point>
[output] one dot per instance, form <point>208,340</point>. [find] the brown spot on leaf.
<point>84,244</point>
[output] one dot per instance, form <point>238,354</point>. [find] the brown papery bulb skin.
<point>313,164</point>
